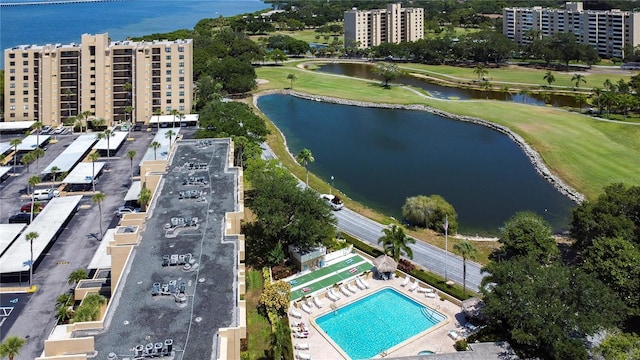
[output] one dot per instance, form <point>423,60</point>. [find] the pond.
<point>379,157</point>
<point>364,71</point>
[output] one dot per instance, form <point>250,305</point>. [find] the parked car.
<point>333,201</point>
<point>137,127</point>
<point>45,194</point>
<point>46,129</point>
<point>20,218</point>
<point>37,207</point>
<point>123,210</point>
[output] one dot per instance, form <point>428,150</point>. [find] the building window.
<point>93,91</point>
<point>181,71</point>
<point>168,101</point>
<point>180,48</point>
<point>167,79</point>
<point>25,63</point>
<point>167,65</point>
<point>12,56</point>
<point>12,63</point>
<point>181,57</point>
<point>181,108</point>
<point>25,85</point>
<point>25,107</point>
<point>12,86</point>
<point>12,92</point>
<point>181,64</point>
<point>25,92</point>
<point>168,57</point>
<point>168,86</point>
<point>93,76</point>
<point>167,109</point>
<point>181,93</point>
<point>12,107</point>
<point>25,114</point>
<point>167,49</point>
<point>25,78</point>
<point>181,78</point>
<point>25,70</point>
<point>24,100</point>
<point>168,72</point>
<point>12,115</point>
<point>12,71</point>
<point>12,78</point>
<point>93,68</point>
<point>181,101</point>
<point>12,101</point>
<point>168,93</point>
<point>25,55</point>
<point>181,86</point>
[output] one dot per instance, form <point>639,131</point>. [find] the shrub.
<point>461,345</point>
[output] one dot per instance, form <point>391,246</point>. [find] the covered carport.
<point>162,152</point>
<point>113,144</point>
<point>15,127</point>
<point>33,142</point>
<point>82,175</point>
<point>173,121</point>
<point>8,234</point>
<point>72,154</point>
<point>14,262</point>
<point>133,193</point>
<point>4,172</point>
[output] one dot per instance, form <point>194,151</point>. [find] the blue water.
<point>65,23</point>
<point>376,323</point>
<point>379,157</point>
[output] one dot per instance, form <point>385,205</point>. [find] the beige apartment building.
<point>609,31</point>
<point>53,83</point>
<point>367,28</point>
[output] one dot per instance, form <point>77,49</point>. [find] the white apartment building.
<point>367,28</point>
<point>53,83</point>
<point>608,31</point>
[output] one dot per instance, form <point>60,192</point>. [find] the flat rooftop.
<point>16,125</point>
<point>5,147</point>
<point>8,234</point>
<point>83,173</point>
<point>31,142</point>
<point>114,142</point>
<point>72,154</point>
<point>211,292</point>
<point>161,153</point>
<point>46,224</point>
<point>101,259</point>
<point>170,119</point>
<point>4,170</point>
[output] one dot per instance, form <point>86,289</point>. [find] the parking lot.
<point>76,245</point>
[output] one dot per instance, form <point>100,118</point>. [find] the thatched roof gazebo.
<point>385,264</point>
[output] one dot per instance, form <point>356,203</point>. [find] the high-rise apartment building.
<point>110,79</point>
<point>609,31</point>
<point>366,28</point>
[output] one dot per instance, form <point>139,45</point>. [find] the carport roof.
<point>8,233</point>
<point>4,170</point>
<point>72,154</point>
<point>31,142</point>
<point>162,153</point>
<point>16,125</point>
<point>134,191</point>
<point>83,173</point>
<point>101,259</point>
<point>114,142</point>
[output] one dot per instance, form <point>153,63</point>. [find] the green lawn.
<point>515,74</point>
<point>258,327</point>
<point>586,153</point>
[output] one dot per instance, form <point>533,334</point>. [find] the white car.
<point>123,210</point>
<point>333,201</point>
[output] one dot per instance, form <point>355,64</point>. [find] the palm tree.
<point>480,70</point>
<point>107,134</point>
<point>98,123</point>
<point>396,243</point>
<point>467,251</point>
<point>144,198</point>
<point>175,113</point>
<point>37,154</point>
<point>33,181</point>
<point>577,79</point>
<point>170,134</point>
<point>305,156</point>
<point>28,158</point>
<point>67,95</point>
<point>15,142</point>
<point>85,115</point>
<point>158,112</point>
<point>64,313</point>
<point>54,170</point>
<point>98,199</point>
<point>93,157</point>
<point>597,94</point>
<point>549,77</point>
<point>155,145</point>
<point>131,154</point>
<point>77,275</point>
<point>580,99</point>
<point>30,237</point>
<point>38,126</point>
<point>608,85</point>
<point>292,77</point>
<point>11,347</point>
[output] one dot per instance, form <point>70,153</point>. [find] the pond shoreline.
<point>532,155</point>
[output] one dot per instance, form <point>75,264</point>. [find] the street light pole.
<point>331,188</point>
<point>446,246</point>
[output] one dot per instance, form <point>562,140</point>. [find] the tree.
<point>98,199</point>
<point>388,72</point>
<point>481,71</point>
<point>144,197</point>
<point>396,243</point>
<point>155,145</point>
<point>619,346</point>
<point>32,182</point>
<point>275,297</point>
<point>292,77</point>
<point>169,135</point>
<point>305,156</point>
<point>527,234</point>
<point>107,134</point>
<point>11,347</point>
<point>430,212</point>
<point>38,126</point>
<point>131,154</point>
<point>15,142</point>
<point>37,154</point>
<point>580,99</point>
<point>174,113</point>
<point>85,115</point>
<point>544,311</point>
<point>28,158</point>
<point>30,237</point>
<point>465,249</point>
<point>157,112</point>
<point>77,275</point>
<point>577,79</point>
<point>93,157</point>
<point>278,55</point>
<point>548,76</point>
<point>54,171</point>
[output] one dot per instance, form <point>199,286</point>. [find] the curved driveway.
<point>430,257</point>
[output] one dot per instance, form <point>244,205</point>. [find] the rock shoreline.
<point>533,155</point>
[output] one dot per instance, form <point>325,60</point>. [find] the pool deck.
<point>435,339</point>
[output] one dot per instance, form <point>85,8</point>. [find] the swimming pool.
<point>376,323</point>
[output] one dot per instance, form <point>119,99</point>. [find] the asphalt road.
<point>34,318</point>
<point>430,257</point>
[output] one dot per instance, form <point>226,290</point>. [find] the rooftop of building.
<point>128,43</point>
<point>140,318</point>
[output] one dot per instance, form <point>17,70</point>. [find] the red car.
<point>37,207</point>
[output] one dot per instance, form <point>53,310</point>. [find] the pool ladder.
<point>427,314</point>
<point>334,307</point>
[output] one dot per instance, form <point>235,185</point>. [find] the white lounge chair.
<point>454,335</point>
<point>317,302</point>
<point>295,313</point>
<point>301,346</point>
<point>359,284</point>
<point>414,286</point>
<point>333,295</point>
<point>352,288</point>
<point>300,335</point>
<point>431,295</point>
<point>405,282</point>
<point>306,308</point>
<point>420,289</point>
<point>303,356</point>
<point>365,283</point>
<point>344,291</point>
